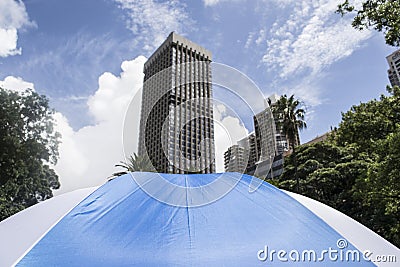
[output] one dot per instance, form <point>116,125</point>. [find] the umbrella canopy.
<point>119,224</point>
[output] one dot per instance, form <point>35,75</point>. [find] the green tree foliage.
<point>289,119</point>
<point>381,15</point>
<point>379,190</point>
<point>327,172</point>
<point>369,122</point>
<point>357,170</point>
<point>373,128</point>
<point>28,145</point>
<point>135,164</point>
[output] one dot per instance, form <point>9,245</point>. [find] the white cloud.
<point>261,37</point>
<point>13,16</point>
<point>216,2</point>
<point>72,164</point>
<point>151,21</point>
<point>8,45</point>
<point>257,38</point>
<point>228,130</point>
<point>307,90</point>
<point>211,2</point>
<point>282,3</point>
<point>16,84</point>
<point>311,38</point>
<point>249,40</point>
<point>88,155</point>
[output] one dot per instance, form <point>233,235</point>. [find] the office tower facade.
<point>264,127</point>
<point>263,149</point>
<point>249,143</point>
<point>258,147</point>
<point>394,68</point>
<point>235,159</point>
<point>176,126</point>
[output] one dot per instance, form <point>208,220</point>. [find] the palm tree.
<point>289,119</point>
<point>135,164</point>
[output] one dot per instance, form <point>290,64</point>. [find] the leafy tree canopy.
<point>379,190</point>
<point>289,117</point>
<point>327,172</point>
<point>363,125</point>
<point>28,145</point>
<point>357,170</point>
<point>381,15</point>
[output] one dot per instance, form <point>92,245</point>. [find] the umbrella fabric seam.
<point>48,230</point>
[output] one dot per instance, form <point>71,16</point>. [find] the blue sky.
<point>73,52</point>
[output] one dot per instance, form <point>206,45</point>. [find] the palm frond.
<point>135,163</point>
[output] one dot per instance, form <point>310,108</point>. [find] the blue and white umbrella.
<point>124,224</point>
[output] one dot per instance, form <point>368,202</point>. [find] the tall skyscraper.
<point>394,68</point>
<point>176,126</point>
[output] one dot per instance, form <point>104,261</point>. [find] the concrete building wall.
<point>176,127</point>
<point>249,143</point>
<point>394,68</point>
<point>264,127</point>
<point>235,159</point>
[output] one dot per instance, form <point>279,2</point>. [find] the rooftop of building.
<point>178,39</point>
<point>319,138</point>
<point>395,55</point>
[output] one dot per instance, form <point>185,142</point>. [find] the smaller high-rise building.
<point>394,68</point>
<point>264,127</point>
<point>235,159</point>
<point>262,150</point>
<point>249,143</point>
